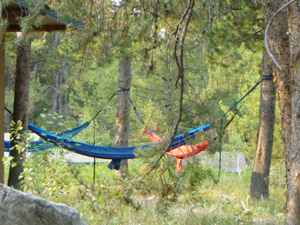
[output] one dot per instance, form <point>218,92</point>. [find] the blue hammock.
<point>42,144</point>
<point>106,152</point>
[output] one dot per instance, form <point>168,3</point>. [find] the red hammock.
<point>181,152</point>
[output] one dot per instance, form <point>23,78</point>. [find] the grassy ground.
<point>227,202</point>
<point>113,201</point>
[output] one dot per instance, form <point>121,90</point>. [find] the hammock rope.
<point>42,144</point>
<point>105,152</point>
<point>222,127</point>
<point>110,98</point>
<point>221,147</point>
<point>119,153</point>
<point>262,78</point>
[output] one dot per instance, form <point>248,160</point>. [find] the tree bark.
<point>259,187</point>
<point>123,110</point>
<point>60,99</point>
<point>278,40</point>
<point>21,102</point>
<point>279,44</point>
<point>292,156</point>
<point>2,101</point>
<point>284,41</point>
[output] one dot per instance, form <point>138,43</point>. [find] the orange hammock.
<point>181,152</point>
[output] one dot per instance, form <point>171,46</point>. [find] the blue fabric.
<point>42,144</point>
<point>182,139</point>
<point>114,164</point>
<point>106,152</point>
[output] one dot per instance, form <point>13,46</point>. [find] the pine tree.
<point>21,103</point>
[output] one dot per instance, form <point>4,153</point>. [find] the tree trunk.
<point>279,44</point>
<point>20,113</point>
<point>284,41</point>
<point>60,98</point>
<point>292,156</point>
<point>123,110</point>
<point>2,101</point>
<point>259,187</point>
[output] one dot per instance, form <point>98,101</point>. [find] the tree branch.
<point>180,35</point>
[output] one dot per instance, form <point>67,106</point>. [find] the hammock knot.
<point>123,89</point>
<point>267,77</point>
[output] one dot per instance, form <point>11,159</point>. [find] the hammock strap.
<point>113,95</point>
<point>137,113</point>
<point>10,112</point>
<point>139,117</point>
<point>231,119</point>
<point>263,77</point>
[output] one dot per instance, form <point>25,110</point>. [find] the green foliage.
<point>48,175</point>
<point>21,142</point>
<point>235,142</point>
<point>161,178</point>
<point>222,59</point>
<point>146,200</point>
<point>43,178</point>
<point>235,23</point>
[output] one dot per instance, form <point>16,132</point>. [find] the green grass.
<point>194,201</point>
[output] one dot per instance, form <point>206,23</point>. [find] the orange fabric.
<point>181,152</point>
<point>178,164</point>
<point>154,138</point>
<point>188,150</point>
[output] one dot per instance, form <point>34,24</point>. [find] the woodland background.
<point>74,73</point>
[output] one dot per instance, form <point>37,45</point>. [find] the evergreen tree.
<point>259,187</point>
<point>285,49</point>
<point>21,103</point>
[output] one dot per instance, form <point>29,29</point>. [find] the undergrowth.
<point>163,196</point>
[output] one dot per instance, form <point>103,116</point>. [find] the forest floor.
<point>204,201</point>
<point>225,202</point>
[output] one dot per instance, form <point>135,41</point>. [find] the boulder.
<point>18,208</point>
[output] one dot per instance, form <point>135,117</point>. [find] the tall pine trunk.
<point>123,110</point>
<point>2,101</point>
<point>20,113</point>
<point>292,156</point>
<point>284,42</point>
<point>60,97</point>
<point>259,187</point>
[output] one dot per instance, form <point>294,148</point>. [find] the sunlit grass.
<point>225,202</point>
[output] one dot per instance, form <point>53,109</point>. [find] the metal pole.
<point>2,107</point>
<point>94,175</point>
<point>221,147</point>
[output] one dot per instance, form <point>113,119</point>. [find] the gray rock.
<point>18,208</point>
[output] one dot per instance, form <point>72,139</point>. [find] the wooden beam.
<point>48,28</point>
<point>52,22</point>
<point>2,107</point>
<point>12,15</point>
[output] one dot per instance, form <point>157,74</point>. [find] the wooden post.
<point>2,107</point>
